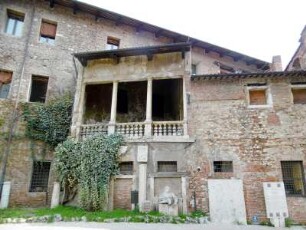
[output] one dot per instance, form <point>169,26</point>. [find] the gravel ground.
<point>133,226</point>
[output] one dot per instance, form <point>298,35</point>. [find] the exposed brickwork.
<point>122,193</point>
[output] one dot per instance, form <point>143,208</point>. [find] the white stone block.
<point>142,153</point>
<point>226,201</point>
<point>55,195</point>
<point>5,195</point>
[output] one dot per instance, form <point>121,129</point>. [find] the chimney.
<point>303,36</point>
<point>276,63</point>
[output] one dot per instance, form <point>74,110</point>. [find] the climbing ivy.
<point>49,122</point>
<point>88,165</point>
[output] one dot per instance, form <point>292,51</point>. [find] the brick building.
<point>190,111</point>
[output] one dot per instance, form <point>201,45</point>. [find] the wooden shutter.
<point>5,77</point>
<point>258,97</point>
<point>299,96</point>
<point>48,29</point>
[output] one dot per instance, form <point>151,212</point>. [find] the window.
<point>259,96</point>
<point>47,32</point>
<point>14,23</point>
<point>298,90</point>
<point>193,69</point>
<point>167,166</point>
<point>293,177</point>
<point>40,176</point>
<point>5,82</point>
<point>223,166</point>
<point>112,43</point>
<point>126,168</point>
<point>39,89</point>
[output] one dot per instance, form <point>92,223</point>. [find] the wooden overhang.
<point>249,75</point>
<point>139,26</point>
<point>149,51</point>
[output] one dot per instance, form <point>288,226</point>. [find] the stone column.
<point>5,196</point>
<point>148,122</point>
<point>55,195</point>
<point>184,194</point>
<point>112,122</point>
<point>142,185</point>
<point>185,108</point>
<point>142,158</point>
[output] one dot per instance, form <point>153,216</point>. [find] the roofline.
<point>249,75</point>
<point>149,51</point>
<point>158,31</point>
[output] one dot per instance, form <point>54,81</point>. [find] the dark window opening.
<point>14,23</point>
<point>126,168</point>
<point>299,96</point>
<point>5,82</point>
<point>193,69</point>
<point>257,97</point>
<point>122,101</point>
<point>47,32</point>
<point>293,177</point>
<point>98,100</point>
<point>223,166</point>
<point>167,166</point>
<point>167,104</point>
<point>39,89</point>
<point>40,176</point>
<point>112,43</point>
<point>131,102</point>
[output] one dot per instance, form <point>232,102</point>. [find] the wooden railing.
<point>131,130</point>
<point>167,128</point>
<point>89,130</point>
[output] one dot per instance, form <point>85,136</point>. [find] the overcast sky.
<point>258,28</point>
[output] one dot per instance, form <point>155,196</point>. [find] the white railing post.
<point>112,122</point>
<point>148,122</point>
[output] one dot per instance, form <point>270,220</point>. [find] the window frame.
<point>227,163</point>
<point>32,189</point>
<point>159,163</point>
<point>111,45</point>
<point>45,39</point>
<point>303,194</point>
<point>17,17</point>
<point>6,84</point>
<point>266,88</point>
<point>31,87</point>
<point>297,87</point>
<point>131,172</point>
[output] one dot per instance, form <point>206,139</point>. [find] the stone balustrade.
<point>131,130</point>
<point>168,128</point>
<point>136,129</point>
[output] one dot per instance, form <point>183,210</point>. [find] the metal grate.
<point>126,168</point>
<point>293,177</point>
<point>167,166</point>
<point>40,176</point>
<point>223,166</point>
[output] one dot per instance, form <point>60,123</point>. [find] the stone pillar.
<point>185,108</point>
<point>55,195</point>
<point>184,194</point>
<point>276,63</point>
<point>148,122</point>
<point>112,122</point>
<point>142,158</point>
<point>142,185</point>
<point>5,196</point>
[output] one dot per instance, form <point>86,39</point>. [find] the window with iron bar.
<point>167,166</point>
<point>40,176</point>
<point>223,166</point>
<point>293,177</point>
<point>126,168</point>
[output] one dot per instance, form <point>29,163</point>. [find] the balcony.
<point>141,109</point>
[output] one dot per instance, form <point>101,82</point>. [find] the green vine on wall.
<point>49,122</point>
<point>88,165</point>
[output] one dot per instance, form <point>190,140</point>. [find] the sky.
<point>257,28</point>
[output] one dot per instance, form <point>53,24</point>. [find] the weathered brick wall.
<point>256,140</point>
